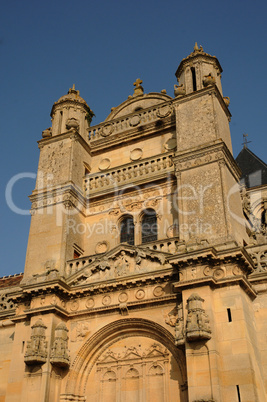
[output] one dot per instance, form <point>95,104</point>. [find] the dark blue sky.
<point>102,47</point>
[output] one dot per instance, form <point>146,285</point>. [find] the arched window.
<point>149,226</point>
<point>127,230</point>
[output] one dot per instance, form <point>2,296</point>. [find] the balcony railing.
<point>130,173</point>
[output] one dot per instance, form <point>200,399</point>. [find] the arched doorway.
<point>130,360</point>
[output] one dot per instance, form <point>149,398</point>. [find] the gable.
<point>122,261</point>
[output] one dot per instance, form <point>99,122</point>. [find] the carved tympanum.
<point>197,323</point>
<point>59,350</point>
<point>36,352</point>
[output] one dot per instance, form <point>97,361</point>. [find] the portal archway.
<point>107,357</point>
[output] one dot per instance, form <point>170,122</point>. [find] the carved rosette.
<point>36,352</point>
<point>197,323</point>
<point>59,350</point>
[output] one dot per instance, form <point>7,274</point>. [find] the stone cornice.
<point>213,283</point>
<point>72,134</point>
<point>211,152</point>
<point>211,255</point>
<point>68,194</point>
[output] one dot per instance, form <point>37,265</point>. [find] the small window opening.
<point>76,254</point>
<point>60,122</point>
<point>229,315</point>
<point>194,79</point>
<point>22,347</point>
<point>127,230</point>
<point>238,393</point>
<point>149,226</point>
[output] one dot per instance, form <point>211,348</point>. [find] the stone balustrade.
<point>131,173</point>
<point>144,116</point>
<point>77,264</point>
<point>166,245</point>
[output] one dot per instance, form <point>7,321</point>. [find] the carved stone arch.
<point>143,212</point>
<point>109,375</point>
<point>156,369</point>
<point>94,347</point>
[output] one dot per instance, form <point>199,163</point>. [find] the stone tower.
<point>139,282</point>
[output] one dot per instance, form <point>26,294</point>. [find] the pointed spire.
<point>196,47</point>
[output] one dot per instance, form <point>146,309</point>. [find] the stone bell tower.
<point>208,192</point>
<point>213,264</point>
<point>64,159</point>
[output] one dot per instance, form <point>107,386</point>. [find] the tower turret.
<point>199,70</point>
<point>71,111</point>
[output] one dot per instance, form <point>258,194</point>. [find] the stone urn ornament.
<point>72,124</point>
<point>179,90</point>
<point>208,80</point>
<point>226,100</point>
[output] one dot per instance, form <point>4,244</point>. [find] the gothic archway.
<point>159,359</point>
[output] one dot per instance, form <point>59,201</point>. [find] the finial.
<point>138,90</point>
<point>196,47</point>
<point>245,139</point>
<point>73,90</point>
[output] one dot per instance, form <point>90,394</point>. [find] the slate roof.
<point>254,170</point>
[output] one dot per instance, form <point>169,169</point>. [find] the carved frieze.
<point>218,271</point>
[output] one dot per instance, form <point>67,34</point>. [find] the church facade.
<point>146,269</point>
